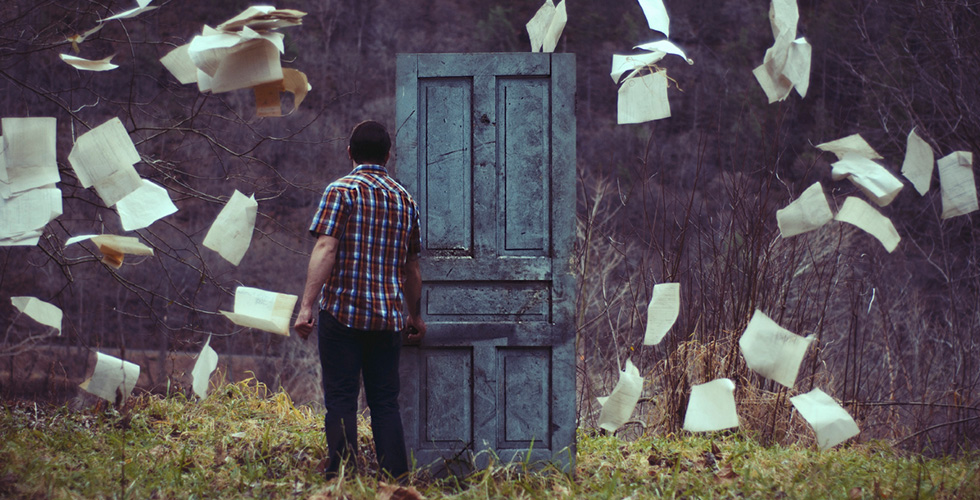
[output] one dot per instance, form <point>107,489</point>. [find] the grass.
<point>243,441</point>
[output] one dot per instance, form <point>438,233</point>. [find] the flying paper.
<point>617,408</point>
<point>711,407</point>
<point>244,64</point>
<point>656,15</point>
<point>544,29</point>
<point>40,311</point>
<point>231,232</point>
<point>29,154</point>
<point>831,423</point>
<point>23,216</point>
<point>786,64</point>
<point>263,17</point>
<point>808,212</point>
<point>114,247</point>
<point>81,37</point>
<point>178,63</point>
<point>857,212</point>
<point>103,157</point>
<point>956,180</point>
<point>89,65</point>
<point>771,350</point>
<point>643,98</point>
<point>267,102</point>
<point>665,305</point>
<point>206,362</point>
<point>262,310</point>
<point>113,379</point>
<point>143,6</point>
<point>917,167</point>
<point>144,206</point>
<point>665,47</point>
<point>850,145</point>
<point>874,180</point>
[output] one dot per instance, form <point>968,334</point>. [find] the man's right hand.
<point>304,322</point>
<point>416,330</point>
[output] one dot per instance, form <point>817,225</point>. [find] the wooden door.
<point>486,144</point>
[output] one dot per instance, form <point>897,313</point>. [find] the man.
<point>364,266</point>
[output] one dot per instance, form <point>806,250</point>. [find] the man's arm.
<point>318,272</point>
<point>413,298</point>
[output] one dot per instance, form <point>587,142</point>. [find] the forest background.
<point>688,199</point>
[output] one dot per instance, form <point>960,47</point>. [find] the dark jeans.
<point>345,354</point>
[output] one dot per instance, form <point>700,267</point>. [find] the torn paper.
<point>711,407</point>
<point>40,311</point>
<point>23,216</point>
<point>957,184</point>
<point>178,63</point>
<point>831,423</point>
<point>142,6</point>
<point>917,167</point>
<point>771,350</point>
<point>852,144</point>
<point>114,247</point>
<point>143,207</point>
<point>231,233</point>
<point>29,154</point>
<point>545,27</point>
<point>643,98</point>
<point>89,65</point>
<point>665,305</point>
<point>113,379</point>
<point>656,15</point>
<point>808,212</point>
<point>617,408</point>
<point>874,180</point>
<point>857,212</point>
<point>206,362</point>
<point>262,310</point>
<point>103,157</point>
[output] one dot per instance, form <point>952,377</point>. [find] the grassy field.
<point>245,442</point>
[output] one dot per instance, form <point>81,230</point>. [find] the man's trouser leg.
<point>381,385</point>
<point>340,360</point>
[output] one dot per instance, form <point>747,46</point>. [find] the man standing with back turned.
<point>364,266</point>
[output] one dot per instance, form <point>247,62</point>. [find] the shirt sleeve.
<point>331,216</point>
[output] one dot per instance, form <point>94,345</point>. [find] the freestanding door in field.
<point>486,144</point>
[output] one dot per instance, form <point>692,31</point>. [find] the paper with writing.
<point>919,160</point>
<point>771,350</point>
<point>231,233</point>
<point>178,63</point>
<point>874,180</point>
<point>23,216</point>
<point>29,153</point>
<point>113,379</point>
<point>253,64</point>
<point>619,405</point>
<point>656,15</point>
<point>831,423</point>
<point>262,310</point>
<point>665,305</point>
<point>643,98</point>
<point>808,212</point>
<point>206,362</point>
<point>958,186</point>
<point>267,102</point>
<point>103,157</point>
<point>262,18</point>
<point>711,407</point>
<point>851,145</point>
<point>40,311</point>
<point>857,212</point>
<point>143,207</point>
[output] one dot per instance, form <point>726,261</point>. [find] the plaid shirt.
<point>377,223</point>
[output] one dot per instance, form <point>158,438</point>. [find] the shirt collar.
<point>369,168</point>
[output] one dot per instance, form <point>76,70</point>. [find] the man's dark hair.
<point>369,143</point>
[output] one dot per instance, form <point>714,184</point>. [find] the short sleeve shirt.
<point>377,224</point>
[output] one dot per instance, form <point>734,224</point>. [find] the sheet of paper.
<point>263,17</point>
<point>142,6</point>
<point>665,305</point>
<point>103,157</point>
<point>555,28</point>
<point>643,98</point>
<point>874,180</point>
<point>919,160</point>
<point>957,183</point>
<point>857,212</point>
<point>296,83</point>
<point>831,423</point>
<point>267,102</point>
<point>29,212</point>
<point>537,27</point>
<point>112,377</point>
<point>626,64</point>
<point>210,50</point>
<point>40,311</point>
<point>29,153</point>
<point>656,15</point>
<point>114,247</point>
<point>852,144</point>
<point>619,405</point>
<point>88,64</point>
<point>81,37</point>
<point>146,205</point>
<point>178,63</point>
<point>808,212</point>
<point>231,233</point>
<point>667,47</point>
<point>711,407</point>
<point>776,87</point>
<point>784,16</point>
<point>263,310</point>
<point>252,65</point>
<point>771,350</point>
<point>797,69</point>
<point>206,362</point>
